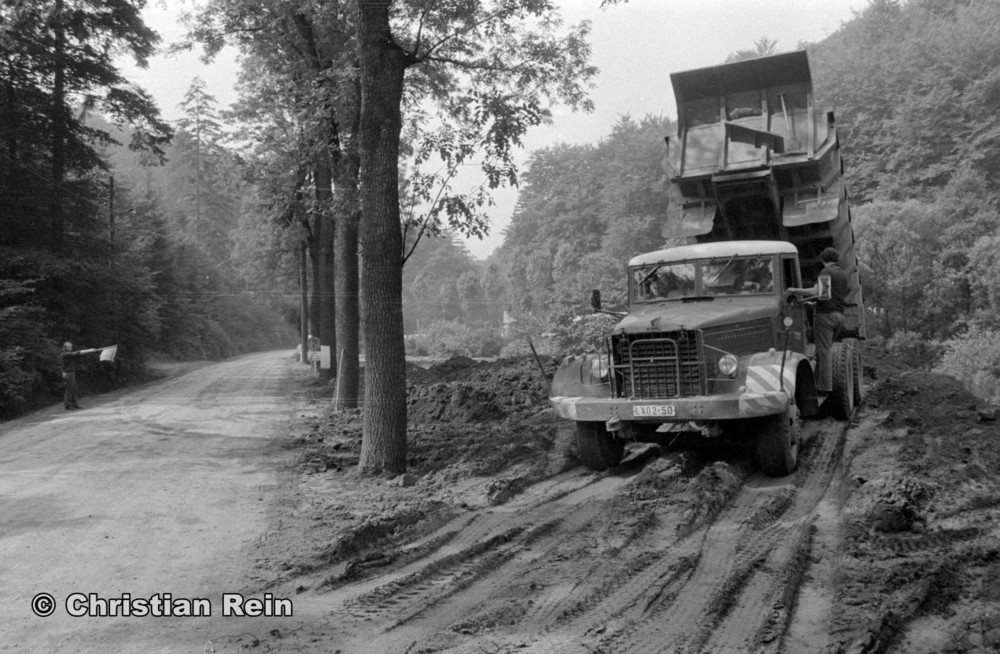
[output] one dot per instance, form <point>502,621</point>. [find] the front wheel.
<point>778,443</point>
<point>598,448</point>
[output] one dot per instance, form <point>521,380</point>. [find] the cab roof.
<point>714,250</point>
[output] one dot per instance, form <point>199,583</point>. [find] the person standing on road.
<point>70,361</point>
<point>829,314</point>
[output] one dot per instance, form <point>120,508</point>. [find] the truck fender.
<point>768,372</point>
<point>584,376</point>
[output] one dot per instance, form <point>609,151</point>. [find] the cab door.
<point>800,332</point>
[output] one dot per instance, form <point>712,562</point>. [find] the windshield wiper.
<point>721,270</point>
<point>650,274</point>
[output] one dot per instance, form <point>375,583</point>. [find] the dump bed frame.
<point>753,158</point>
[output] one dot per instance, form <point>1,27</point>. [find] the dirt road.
<point>158,490</point>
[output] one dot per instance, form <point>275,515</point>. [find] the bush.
<point>586,333</point>
<point>518,346</point>
<point>15,382</point>
<point>914,350</point>
<point>27,355</point>
<point>448,339</point>
<point>572,334</point>
<point>974,354</point>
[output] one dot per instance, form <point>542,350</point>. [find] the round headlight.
<point>729,366</point>
<point>788,321</point>
<point>599,366</point>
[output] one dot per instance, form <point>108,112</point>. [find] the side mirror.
<point>825,291</point>
<point>595,299</point>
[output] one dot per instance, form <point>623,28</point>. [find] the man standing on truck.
<point>829,314</point>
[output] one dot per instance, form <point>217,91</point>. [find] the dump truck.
<point>713,342</point>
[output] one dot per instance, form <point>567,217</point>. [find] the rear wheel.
<point>778,443</point>
<point>841,400</point>
<point>859,369</point>
<point>598,448</point>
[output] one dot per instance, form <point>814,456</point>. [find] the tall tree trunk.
<point>304,300</point>
<point>345,255</point>
<point>59,132</point>
<point>9,190</point>
<point>314,305</point>
<point>382,63</point>
<point>348,309</point>
<point>325,239</point>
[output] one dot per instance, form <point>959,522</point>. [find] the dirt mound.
<point>454,368</point>
<point>926,401</point>
<point>464,390</point>
<point>880,363</point>
<point>919,526</point>
<point>475,418</point>
<point>419,374</point>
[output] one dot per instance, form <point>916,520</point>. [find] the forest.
<point>288,213</point>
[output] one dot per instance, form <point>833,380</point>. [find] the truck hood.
<point>673,316</point>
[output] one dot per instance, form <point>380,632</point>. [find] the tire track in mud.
<point>776,579</point>
<point>459,555</point>
<point>751,557</point>
<point>563,567</point>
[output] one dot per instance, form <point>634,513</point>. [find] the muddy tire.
<point>598,448</point>
<point>841,401</point>
<point>859,368</point>
<point>778,443</point>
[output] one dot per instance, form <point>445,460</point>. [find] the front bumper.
<point>732,406</point>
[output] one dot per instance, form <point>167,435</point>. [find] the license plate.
<point>654,411</point>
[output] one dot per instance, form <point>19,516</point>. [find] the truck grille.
<point>649,366</point>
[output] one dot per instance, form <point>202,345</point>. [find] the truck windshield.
<point>725,276</point>
<point>738,276</point>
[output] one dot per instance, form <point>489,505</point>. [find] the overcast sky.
<point>635,45</point>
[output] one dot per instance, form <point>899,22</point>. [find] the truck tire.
<point>859,368</point>
<point>778,443</point>
<point>841,400</point>
<point>598,448</point>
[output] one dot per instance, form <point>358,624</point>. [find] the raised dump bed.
<point>754,158</point>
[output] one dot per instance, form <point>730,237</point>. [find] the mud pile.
<point>921,525</point>
<point>463,390</point>
<point>465,419</point>
<point>469,418</point>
